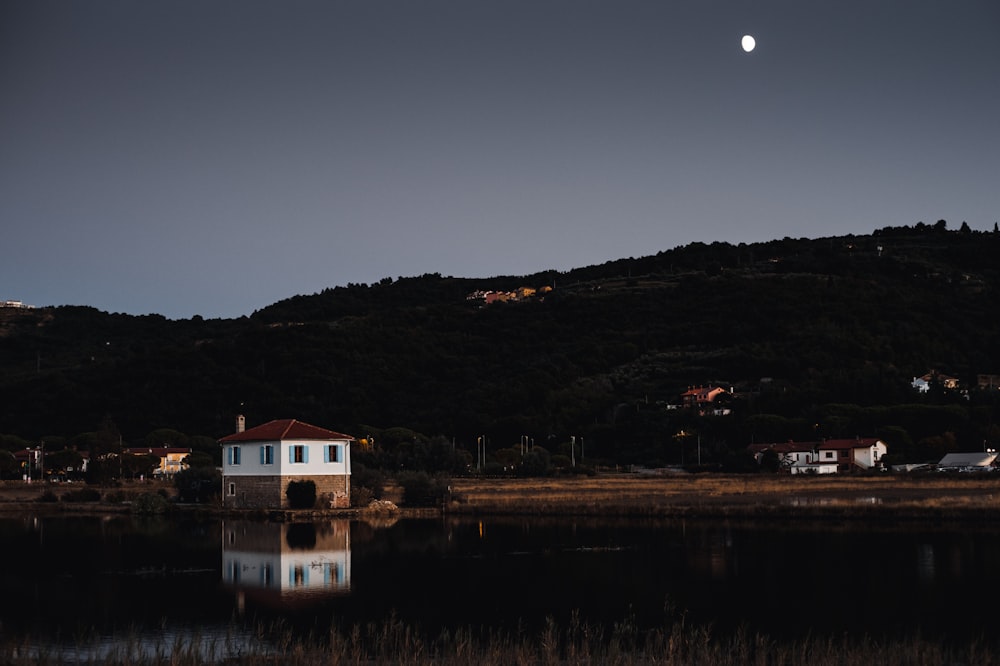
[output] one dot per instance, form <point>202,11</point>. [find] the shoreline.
<point>884,498</point>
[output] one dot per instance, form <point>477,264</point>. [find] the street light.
<point>680,436</point>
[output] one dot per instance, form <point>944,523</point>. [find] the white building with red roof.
<point>259,463</point>
<point>828,456</point>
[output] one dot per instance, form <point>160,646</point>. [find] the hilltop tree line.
<point>813,338</point>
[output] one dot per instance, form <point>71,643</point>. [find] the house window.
<point>232,490</point>
<point>234,455</point>
<point>267,454</point>
<point>843,454</point>
<point>828,455</point>
<point>298,454</point>
<point>332,453</point>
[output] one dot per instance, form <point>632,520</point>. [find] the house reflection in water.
<point>286,564</point>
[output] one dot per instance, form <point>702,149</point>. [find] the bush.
<point>536,462</point>
<point>47,496</point>
<point>150,504</point>
<point>420,489</point>
<point>82,495</point>
<point>367,484</point>
<point>301,494</point>
<point>198,484</point>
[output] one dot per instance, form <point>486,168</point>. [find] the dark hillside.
<point>815,337</point>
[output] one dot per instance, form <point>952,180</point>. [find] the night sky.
<point>211,157</point>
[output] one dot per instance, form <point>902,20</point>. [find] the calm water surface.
<point>66,578</point>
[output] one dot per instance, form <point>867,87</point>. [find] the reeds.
<point>396,642</point>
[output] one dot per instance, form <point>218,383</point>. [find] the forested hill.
<point>815,338</point>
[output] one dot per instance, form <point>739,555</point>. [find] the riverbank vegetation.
<point>395,642</point>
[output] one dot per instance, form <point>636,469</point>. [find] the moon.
<point>748,43</point>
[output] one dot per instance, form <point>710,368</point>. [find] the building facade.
<point>258,464</point>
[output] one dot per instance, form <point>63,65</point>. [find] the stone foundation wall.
<point>268,492</point>
<point>252,492</point>
<point>336,488</point>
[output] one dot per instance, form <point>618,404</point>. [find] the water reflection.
<point>283,564</point>
<point>114,576</point>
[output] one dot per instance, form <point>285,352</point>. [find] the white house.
<point>825,457</point>
<point>258,464</point>
<point>795,457</point>
<point>851,454</point>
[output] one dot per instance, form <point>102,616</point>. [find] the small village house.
<point>259,463</point>
<point>171,458</point>
<point>923,383</point>
<point>702,399</point>
<point>829,456</point>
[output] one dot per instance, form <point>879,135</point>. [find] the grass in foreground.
<point>394,642</point>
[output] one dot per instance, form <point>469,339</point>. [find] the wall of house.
<point>814,469</point>
<point>282,465</point>
<point>269,492</point>
<point>868,456</point>
<point>252,492</point>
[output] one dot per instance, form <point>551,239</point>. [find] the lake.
<point>70,580</point>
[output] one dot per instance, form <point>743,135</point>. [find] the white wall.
<point>250,464</point>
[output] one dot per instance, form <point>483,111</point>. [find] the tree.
<point>105,454</point>
<point>67,462</point>
<point>8,465</point>
<point>536,462</point>
<point>421,489</point>
<point>198,484</point>
<point>770,461</point>
<point>138,465</point>
<point>198,459</point>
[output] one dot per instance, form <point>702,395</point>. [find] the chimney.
<point>241,423</point>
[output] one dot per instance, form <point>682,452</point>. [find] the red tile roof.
<point>788,447</point>
<point>284,429</point>
<point>859,443</point>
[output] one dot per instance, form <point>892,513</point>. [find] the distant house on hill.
<point>829,456</point>
<point>702,399</point>
<point>923,383</point>
<point>259,464</point>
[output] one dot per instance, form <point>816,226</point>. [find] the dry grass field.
<point>976,496</point>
